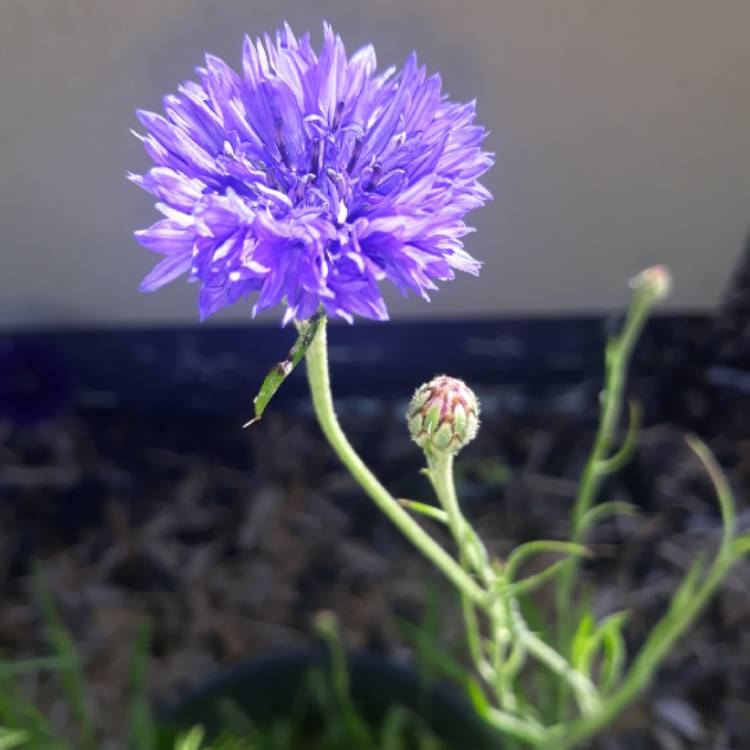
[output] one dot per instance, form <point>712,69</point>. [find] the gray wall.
<point>622,129</point>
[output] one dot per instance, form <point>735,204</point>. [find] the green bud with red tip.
<point>443,415</point>
<point>655,281</point>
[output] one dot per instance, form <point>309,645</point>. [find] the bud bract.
<point>656,281</point>
<point>443,415</point>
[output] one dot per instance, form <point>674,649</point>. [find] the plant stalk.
<point>320,389</point>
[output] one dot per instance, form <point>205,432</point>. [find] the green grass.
<point>326,696</point>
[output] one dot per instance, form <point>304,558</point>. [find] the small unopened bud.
<point>443,415</point>
<point>325,624</point>
<point>656,281</point>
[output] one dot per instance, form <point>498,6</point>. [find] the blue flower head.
<point>309,179</point>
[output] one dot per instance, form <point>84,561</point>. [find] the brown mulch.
<point>228,541</point>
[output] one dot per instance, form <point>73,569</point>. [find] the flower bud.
<point>656,281</point>
<point>443,415</point>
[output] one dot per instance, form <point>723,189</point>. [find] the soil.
<point>228,541</point>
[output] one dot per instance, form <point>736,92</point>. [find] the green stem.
<point>469,544</point>
<point>584,690</point>
<point>505,612</point>
<point>320,389</point>
<point>523,729</point>
<point>618,354</point>
<point>441,474</point>
<point>474,594</point>
<point>656,648</point>
<point>318,378</point>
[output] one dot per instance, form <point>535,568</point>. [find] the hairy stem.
<point>474,595</point>
<point>320,389</point>
<point>504,612</point>
<point>618,354</point>
<point>473,556</point>
<point>656,648</point>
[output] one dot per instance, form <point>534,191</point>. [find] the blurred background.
<point>622,135</point>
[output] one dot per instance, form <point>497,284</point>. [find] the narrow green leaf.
<point>689,584</point>
<point>281,370</point>
<point>629,444</point>
<point>523,552</point>
<point>533,582</point>
<point>741,546</point>
<point>614,655</point>
<point>426,510</point>
<point>477,697</point>
<point>142,726</point>
<point>19,714</point>
<point>72,679</point>
<point>429,742</point>
<point>236,723</point>
<point>394,727</point>
<point>9,740</point>
<point>607,631</point>
<point>192,740</point>
<point>507,672</point>
<point>721,486</point>
<point>582,635</point>
<point>604,510</point>
<point>343,709</point>
<point>40,664</point>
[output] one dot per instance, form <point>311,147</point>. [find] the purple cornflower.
<point>310,178</point>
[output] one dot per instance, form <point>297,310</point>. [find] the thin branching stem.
<point>320,389</point>
<point>490,590</point>
<point>600,463</point>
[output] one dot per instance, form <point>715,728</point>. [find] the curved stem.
<point>658,645</point>
<point>471,554</point>
<point>476,595</point>
<point>469,544</point>
<point>618,354</point>
<point>504,613</point>
<point>320,389</point>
